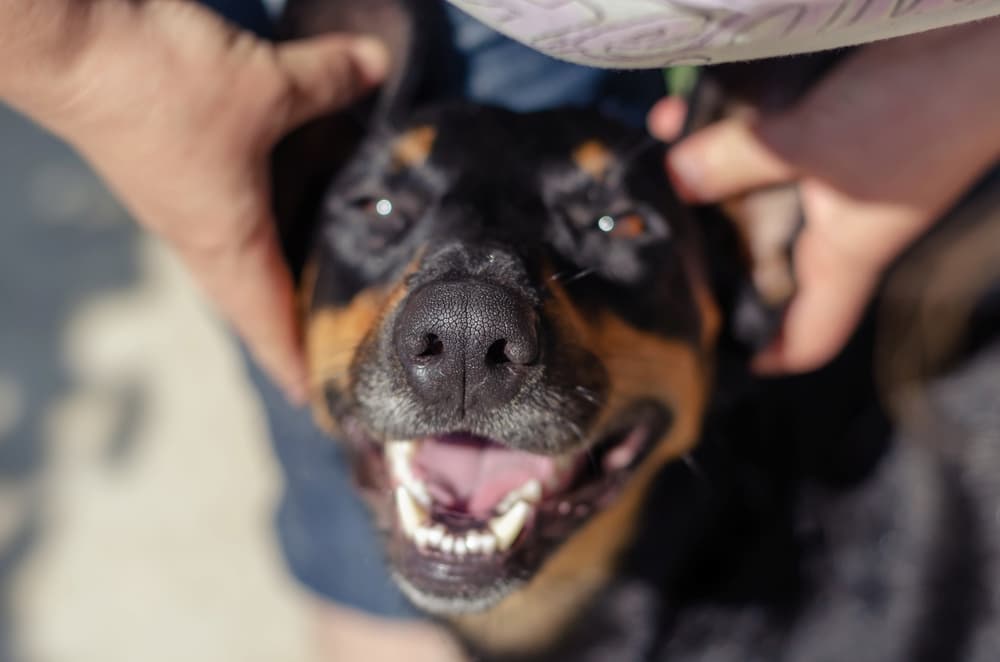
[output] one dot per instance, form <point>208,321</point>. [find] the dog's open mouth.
<point>470,513</point>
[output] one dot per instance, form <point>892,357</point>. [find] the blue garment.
<point>324,529</point>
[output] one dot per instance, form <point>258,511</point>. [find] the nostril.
<point>519,348</point>
<point>497,353</point>
<point>432,346</point>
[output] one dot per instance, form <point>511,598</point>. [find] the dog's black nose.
<point>466,345</point>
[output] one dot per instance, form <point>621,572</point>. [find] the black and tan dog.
<point>536,358</point>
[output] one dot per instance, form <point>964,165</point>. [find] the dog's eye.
<point>379,209</point>
<point>385,215</point>
<point>385,218</point>
<point>631,225</point>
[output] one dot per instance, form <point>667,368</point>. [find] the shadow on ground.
<point>63,240</point>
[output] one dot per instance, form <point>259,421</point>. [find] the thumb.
<point>328,72</point>
<point>728,158</point>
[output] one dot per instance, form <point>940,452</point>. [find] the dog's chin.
<point>480,599</point>
<point>469,520</point>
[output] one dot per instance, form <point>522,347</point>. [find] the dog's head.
<point>511,323</point>
<point>507,321</point>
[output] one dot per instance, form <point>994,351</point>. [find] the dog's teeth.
<point>530,492</point>
<point>411,515</point>
<point>459,549</point>
<point>435,535</point>
<point>487,543</point>
<point>400,451</point>
<point>422,537</point>
<point>447,544</point>
<point>399,455</point>
<point>419,491</point>
<point>472,542</point>
<point>508,526</point>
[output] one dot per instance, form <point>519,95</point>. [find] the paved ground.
<point>135,482</point>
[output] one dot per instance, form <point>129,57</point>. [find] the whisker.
<point>695,468</point>
<point>583,273</point>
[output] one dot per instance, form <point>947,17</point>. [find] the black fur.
<point>805,526</point>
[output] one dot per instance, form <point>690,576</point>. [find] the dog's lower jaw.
<point>531,620</point>
<point>456,607</point>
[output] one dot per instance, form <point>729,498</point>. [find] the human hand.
<point>880,148</point>
<point>179,111</point>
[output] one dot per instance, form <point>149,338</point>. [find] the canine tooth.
<point>411,515</point>
<point>506,502</point>
<point>400,451</point>
<point>507,527</point>
<point>435,535</point>
<point>460,547</point>
<point>530,491</point>
<point>398,454</point>
<point>488,543</point>
<point>419,491</point>
<point>472,542</point>
<point>447,544</point>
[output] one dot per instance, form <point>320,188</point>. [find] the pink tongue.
<point>466,471</point>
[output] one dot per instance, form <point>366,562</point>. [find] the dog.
<point>537,355</point>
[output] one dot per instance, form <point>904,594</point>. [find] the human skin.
<point>881,147</point>
<point>178,111</point>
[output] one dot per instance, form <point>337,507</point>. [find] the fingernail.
<point>372,57</point>
<point>686,174</point>
<point>297,394</point>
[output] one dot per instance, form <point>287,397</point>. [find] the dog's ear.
<point>415,32</point>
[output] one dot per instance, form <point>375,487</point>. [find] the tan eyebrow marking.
<point>594,158</point>
<point>414,147</point>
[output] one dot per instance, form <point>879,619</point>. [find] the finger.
<point>833,289</point>
<point>666,118</point>
<point>246,277</point>
<point>727,158</point>
<point>329,72</point>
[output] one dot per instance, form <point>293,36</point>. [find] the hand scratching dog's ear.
<point>757,281</point>
<point>765,223</point>
<point>306,161</point>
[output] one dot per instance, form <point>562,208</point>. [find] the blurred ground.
<point>136,485</point>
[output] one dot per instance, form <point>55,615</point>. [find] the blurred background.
<point>136,482</point>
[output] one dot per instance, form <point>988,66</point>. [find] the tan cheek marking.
<point>594,158</point>
<point>307,285</point>
<point>649,366</point>
<point>708,307</point>
<point>334,334</point>
<point>414,147</point>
